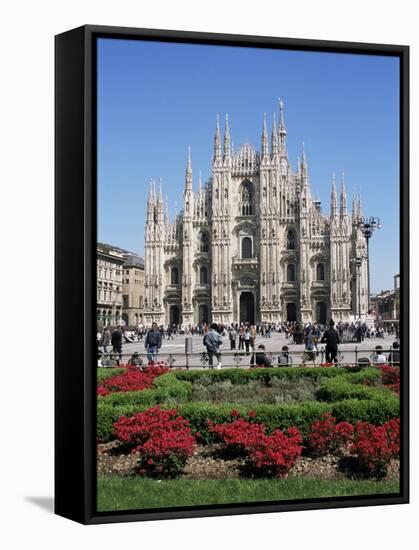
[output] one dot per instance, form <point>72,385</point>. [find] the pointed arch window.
<point>204,243</point>
<point>203,275</point>
<point>247,247</point>
<point>290,240</point>
<point>320,272</point>
<point>246,199</point>
<point>290,273</point>
<point>174,276</point>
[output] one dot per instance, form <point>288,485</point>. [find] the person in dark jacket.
<point>331,338</point>
<point>260,359</point>
<point>394,355</point>
<point>213,341</point>
<point>152,343</point>
<point>116,342</point>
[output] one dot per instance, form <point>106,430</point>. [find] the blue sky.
<point>155,99</point>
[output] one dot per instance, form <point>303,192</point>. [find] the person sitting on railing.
<point>378,357</point>
<point>260,359</point>
<point>284,358</point>
<point>394,355</point>
<point>213,341</point>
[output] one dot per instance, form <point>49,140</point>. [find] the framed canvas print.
<point>231,274</point>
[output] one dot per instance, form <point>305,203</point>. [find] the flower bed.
<point>150,411</point>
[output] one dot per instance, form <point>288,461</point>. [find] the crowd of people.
<point>243,337</point>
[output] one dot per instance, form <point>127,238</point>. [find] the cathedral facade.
<point>252,244</point>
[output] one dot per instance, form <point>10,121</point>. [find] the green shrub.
<point>342,388</point>
<point>369,375</point>
<point>168,388</point>
<point>376,411</point>
<point>242,376</point>
<point>135,398</point>
<point>104,373</point>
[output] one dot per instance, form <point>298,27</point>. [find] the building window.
<point>290,273</point>
<point>203,275</point>
<point>125,300</point>
<point>320,272</point>
<point>204,244</point>
<point>246,199</point>
<point>247,247</point>
<point>290,240</point>
<point>141,302</point>
<point>174,276</point>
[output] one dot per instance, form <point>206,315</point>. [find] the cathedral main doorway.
<point>321,312</point>
<point>291,312</point>
<point>203,314</point>
<point>247,308</point>
<point>174,315</point>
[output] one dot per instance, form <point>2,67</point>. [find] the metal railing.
<point>244,359</point>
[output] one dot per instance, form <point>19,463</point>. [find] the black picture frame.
<point>75,294</point>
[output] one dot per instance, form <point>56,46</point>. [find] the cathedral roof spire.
<point>265,144</point>
<point>166,213</point>
<point>217,140</point>
<point>160,191</point>
<point>188,173</point>
<point>227,141</point>
<point>282,131</point>
<point>333,199</point>
<point>343,199</point>
<point>274,137</point>
<point>150,192</point>
<point>304,171</point>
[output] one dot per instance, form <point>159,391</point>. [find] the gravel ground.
<point>208,462</point>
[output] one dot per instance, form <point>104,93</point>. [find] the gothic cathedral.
<point>252,245</point>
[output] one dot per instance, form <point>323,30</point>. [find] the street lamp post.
<point>357,262</point>
<point>367,227</point>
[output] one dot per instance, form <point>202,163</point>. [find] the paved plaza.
<point>176,347</point>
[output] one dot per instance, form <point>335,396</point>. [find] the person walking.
<point>310,348</point>
<point>246,338</point>
<point>233,336</point>
<point>213,341</point>
<point>152,343</point>
<point>116,342</point>
<point>331,338</point>
<point>105,340</point>
<point>241,337</point>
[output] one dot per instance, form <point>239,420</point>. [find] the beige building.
<point>388,303</point>
<point>109,262</point>
<point>132,290</point>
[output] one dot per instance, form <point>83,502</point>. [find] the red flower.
<point>328,437</point>
<point>162,439</point>
<point>251,413</point>
<point>132,379</point>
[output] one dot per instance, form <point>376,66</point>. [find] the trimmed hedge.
<point>242,376</point>
<point>343,388</point>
